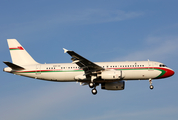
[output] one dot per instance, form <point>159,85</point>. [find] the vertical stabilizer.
<point>18,54</point>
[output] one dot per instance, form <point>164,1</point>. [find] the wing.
<point>88,66</point>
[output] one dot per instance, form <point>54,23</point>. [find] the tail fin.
<point>18,54</point>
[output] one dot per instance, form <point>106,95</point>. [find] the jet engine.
<point>111,75</point>
<point>119,85</point>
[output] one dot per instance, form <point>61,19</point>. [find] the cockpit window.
<point>162,65</point>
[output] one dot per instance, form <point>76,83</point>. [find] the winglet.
<point>65,50</point>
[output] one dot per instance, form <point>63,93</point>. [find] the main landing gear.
<point>94,91</point>
<point>151,86</point>
<point>93,85</point>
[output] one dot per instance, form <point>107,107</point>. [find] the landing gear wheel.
<point>94,91</point>
<point>151,87</point>
<point>91,85</point>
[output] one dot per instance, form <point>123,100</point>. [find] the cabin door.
<point>38,69</point>
<point>150,65</point>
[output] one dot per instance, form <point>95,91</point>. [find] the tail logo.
<point>18,48</point>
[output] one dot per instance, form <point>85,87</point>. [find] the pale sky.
<point>102,30</point>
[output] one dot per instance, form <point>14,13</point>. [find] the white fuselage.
<point>66,72</point>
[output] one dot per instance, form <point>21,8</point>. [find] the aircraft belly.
<point>31,75</point>
<point>51,76</point>
<point>140,74</point>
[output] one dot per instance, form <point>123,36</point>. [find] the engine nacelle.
<point>111,75</point>
<point>80,77</point>
<point>119,85</point>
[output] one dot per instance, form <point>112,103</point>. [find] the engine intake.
<point>119,85</point>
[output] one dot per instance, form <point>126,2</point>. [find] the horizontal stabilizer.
<point>13,66</point>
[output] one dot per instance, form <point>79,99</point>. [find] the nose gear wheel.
<point>151,86</point>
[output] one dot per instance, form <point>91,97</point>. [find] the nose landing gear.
<point>151,86</point>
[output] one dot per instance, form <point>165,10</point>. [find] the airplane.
<point>111,75</point>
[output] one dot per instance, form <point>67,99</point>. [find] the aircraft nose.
<point>172,73</point>
<point>169,73</point>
